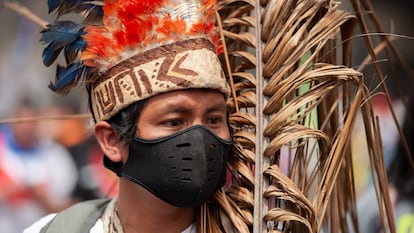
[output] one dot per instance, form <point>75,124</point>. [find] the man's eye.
<point>173,122</point>
<point>214,120</point>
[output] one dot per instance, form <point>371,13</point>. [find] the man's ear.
<point>109,141</point>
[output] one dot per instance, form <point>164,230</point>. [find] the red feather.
<point>168,26</point>
<point>136,24</point>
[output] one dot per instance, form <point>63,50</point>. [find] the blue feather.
<point>53,4</point>
<point>72,6</point>
<point>61,4</point>
<point>66,36</point>
<point>50,54</point>
<point>67,29</point>
<point>58,36</point>
<point>67,77</point>
<point>94,16</point>
<point>72,50</point>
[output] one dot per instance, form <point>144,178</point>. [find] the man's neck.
<point>142,212</point>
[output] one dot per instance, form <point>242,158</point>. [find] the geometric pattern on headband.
<point>181,65</point>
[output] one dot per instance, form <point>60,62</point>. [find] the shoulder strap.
<point>78,218</point>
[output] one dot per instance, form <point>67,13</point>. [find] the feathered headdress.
<point>126,51</point>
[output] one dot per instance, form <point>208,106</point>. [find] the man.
<point>158,96</point>
<point>161,116</point>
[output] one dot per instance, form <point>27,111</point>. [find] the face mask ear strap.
<point>231,130</point>
<point>116,167</point>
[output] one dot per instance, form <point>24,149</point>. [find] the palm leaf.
<point>296,101</point>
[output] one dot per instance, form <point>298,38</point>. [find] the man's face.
<point>172,112</point>
<point>196,168</point>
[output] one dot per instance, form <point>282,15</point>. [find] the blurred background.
<point>47,165</point>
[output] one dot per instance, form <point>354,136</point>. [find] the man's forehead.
<point>184,100</point>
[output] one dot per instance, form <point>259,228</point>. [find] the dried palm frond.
<point>295,100</point>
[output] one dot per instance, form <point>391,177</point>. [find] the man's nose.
<point>197,121</point>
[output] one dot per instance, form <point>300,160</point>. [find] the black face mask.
<point>184,169</point>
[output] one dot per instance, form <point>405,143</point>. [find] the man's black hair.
<point>125,120</point>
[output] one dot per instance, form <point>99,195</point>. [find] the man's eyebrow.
<point>217,107</point>
<point>175,109</point>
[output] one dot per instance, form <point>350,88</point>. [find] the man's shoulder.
<point>81,217</point>
<point>38,225</point>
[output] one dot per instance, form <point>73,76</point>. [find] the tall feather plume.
<point>294,105</point>
<point>65,37</point>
